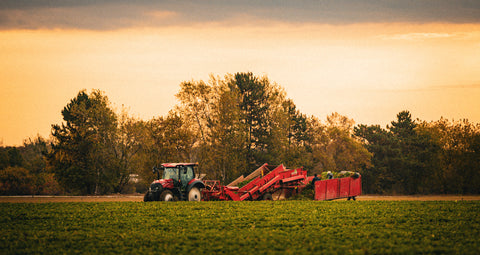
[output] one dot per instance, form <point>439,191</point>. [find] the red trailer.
<point>349,187</point>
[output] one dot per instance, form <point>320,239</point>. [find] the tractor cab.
<point>180,174</point>
<point>177,183</point>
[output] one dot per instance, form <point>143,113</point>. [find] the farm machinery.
<point>270,180</point>
<point>266,183</point>
<point>178,183</point>
<point>347,187</point>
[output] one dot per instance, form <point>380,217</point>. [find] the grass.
<point>297,227</point>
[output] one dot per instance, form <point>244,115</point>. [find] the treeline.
<point>230,126</point>
<point>24,170</point>
<point>418,157</point>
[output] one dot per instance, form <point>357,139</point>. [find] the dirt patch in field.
<point>139,198</point>
<point>419,198</point>
<point>49,199</point>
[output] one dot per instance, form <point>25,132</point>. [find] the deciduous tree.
<point>83,153</point>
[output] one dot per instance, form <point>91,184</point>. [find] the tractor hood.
<point>166,183</point>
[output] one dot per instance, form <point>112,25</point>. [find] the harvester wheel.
<point>194,194</point>
<point>167,195</point>
<point>267,196</point>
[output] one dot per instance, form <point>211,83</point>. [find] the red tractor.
<point>178,183</point>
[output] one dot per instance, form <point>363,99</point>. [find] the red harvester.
<point>271,180</point>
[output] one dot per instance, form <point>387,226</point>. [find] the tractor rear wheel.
<point>167,195</point>
<point>267,196</point>
<point>194,194</point>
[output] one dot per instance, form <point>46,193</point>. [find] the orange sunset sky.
<point>367,60</point>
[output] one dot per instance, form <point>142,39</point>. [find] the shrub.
<point>16,181</point>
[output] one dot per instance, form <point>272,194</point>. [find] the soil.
<point>48,199</point>
<point>420,198</point>
<point>139,198</point>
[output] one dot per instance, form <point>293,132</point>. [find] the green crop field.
<point>298,227</point>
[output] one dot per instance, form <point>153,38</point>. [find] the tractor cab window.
<point>186,174</point>
<point>170,173</point>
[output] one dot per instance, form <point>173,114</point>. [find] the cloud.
<point>109,14</point>
<point>419,36</point>
<point>458,86</point>
<point>432,88</point>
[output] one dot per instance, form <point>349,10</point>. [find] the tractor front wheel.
<point>167,195</point>
<point>194,194</point>
<point>148,197</point>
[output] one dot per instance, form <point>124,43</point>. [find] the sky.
<point>367,60</point>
